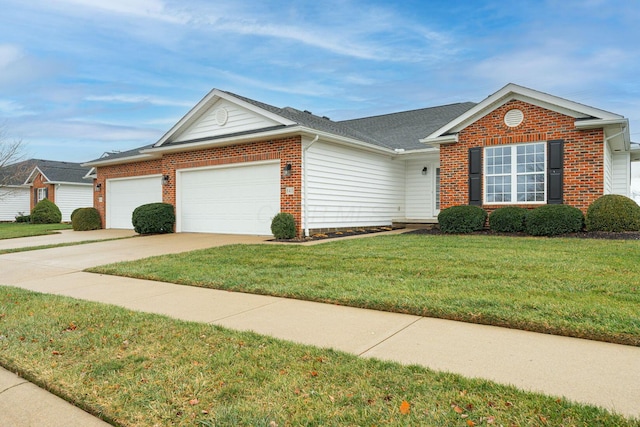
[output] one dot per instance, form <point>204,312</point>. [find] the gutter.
<point>304,186</point>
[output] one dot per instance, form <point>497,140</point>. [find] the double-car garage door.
<point>238,199</point>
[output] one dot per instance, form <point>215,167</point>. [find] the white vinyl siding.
<point>124,195</point>
<point>350,188</point>
<point>13,201</point>
<point>621,174</point>
<point>420,197</point>
<point>608,169</point>
<point>237,199</point>
<point>238,120</point>
<point>70,197</point>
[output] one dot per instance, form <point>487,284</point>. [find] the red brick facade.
<point>287,150</point>
<point>39,182</point>
<point>583,153</point>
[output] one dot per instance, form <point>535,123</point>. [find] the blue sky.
<point>81,77</point>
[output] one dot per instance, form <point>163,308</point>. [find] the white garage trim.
<point>239,198</point>
<point>123,195</point>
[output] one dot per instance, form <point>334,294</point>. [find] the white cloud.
<point>9,54</point>
<point>139,99</point>
<point>9,108</point>
<point>150,9</point>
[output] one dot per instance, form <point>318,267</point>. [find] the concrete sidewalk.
<point>591,372</point>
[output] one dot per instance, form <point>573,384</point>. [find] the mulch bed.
<point>626,235</point>
<point>337,234</point>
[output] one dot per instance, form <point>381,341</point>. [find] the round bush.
<point>613,213</point>
<point>86,219</point>
<point>509,219</point>
<point>551,220</point>
<point>75,211</point>
<point>46,212</point>
<point>462,219</point>
<point>153,218</point>
<point>283,226</point>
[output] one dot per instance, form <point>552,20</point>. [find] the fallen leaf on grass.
<point>405,407</point>
<point>458,409</point>
<point>194,402</point>
<point>470,423</point>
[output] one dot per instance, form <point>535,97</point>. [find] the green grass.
<point>11,230</point>
<point>575,287</point>
<point>57,245</point>
<point>137,369</point>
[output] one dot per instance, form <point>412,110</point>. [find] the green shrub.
<point>509,219</point>
<point>283,226</point>
<point>613,213</point>
<point>46,212</point>
<point>75,211</point>
<point>153,218</point>
<point>462,219</point>
<point>84,219</point>
<point>551,220</point>
<point>21,217</point>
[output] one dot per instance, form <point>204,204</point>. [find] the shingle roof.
<point>406,128</point>
<point>55,171</point>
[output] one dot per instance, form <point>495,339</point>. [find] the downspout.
<point>305,193</point>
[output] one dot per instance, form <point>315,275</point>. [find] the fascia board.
<point>36,170</point>
<point>206,102</point>
<point>294,130</point>
<point>440,140</point>
<point>121,160</point>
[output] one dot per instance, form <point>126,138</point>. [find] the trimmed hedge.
<point>85,219</point>
<point>153,218</point>
<point>23,218</point>
<point>510,219</point>
<point>462,219</point>
<point>613,212</point>
<point>283,226</point>
<point>551,220</point>
<point>46,212</point>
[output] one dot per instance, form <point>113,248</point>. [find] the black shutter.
<point>555,163</point>
<point>475,176</point>
<point>46,193</point>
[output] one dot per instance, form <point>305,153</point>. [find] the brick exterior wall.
<point>583,153</point>
<point>287,150</point>
<point>39,182</point>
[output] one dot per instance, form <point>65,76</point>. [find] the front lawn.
<point>139,369</point>
<point>574,287</point>
<point>10,230</point>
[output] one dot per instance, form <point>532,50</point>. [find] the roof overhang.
<point>106,161</point>
<point>36,170</point>
<point>616,131</point>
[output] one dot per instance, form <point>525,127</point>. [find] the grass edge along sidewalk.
<point>13,230</point>
<point>584,288</point>
<point>140,369</point>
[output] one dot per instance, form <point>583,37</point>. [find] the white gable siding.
<point>420,189</point>
<point>352,188</point>
<point>70,197</point>
<point>621,174</point>
<point>14,201</point>
<point>238,120</point>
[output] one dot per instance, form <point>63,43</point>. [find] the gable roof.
<point>16,174</point>
<point>615,125</point>
<point>403,130</point>
<point>55,172</point>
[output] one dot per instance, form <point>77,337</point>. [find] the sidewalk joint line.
<point>390,336</point>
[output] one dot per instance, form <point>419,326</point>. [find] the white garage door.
<point>238,199</point>
<point>71,197</point>
<point>124,195</point>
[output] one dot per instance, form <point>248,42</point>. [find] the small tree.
<point>13,169</point>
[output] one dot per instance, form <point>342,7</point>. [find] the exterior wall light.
<point>165,179</point>
<point>424,170</point>
<point>98,187</point>
<point>287,170</point>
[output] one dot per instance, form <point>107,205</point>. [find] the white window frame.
<point>42,194</point>
<point>513,174</point>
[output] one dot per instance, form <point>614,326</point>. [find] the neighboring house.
<point>231,163</point>
<point>32,180</point>
<point>14,194</point>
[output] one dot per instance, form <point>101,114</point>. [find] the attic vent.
<point>308,112</point>
<point>513,118</point>
<point>221,116</point>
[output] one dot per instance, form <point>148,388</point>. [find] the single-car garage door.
<point>238,199</point>
<point>124,195</point>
